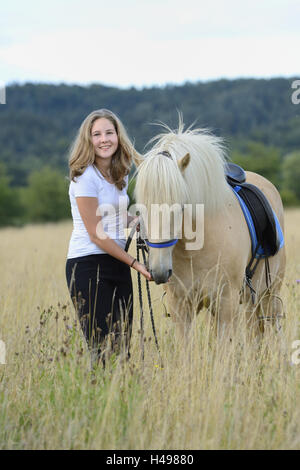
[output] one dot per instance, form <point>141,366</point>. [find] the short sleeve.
<point>85,185</point>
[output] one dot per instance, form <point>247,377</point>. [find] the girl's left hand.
<point>141,268</point>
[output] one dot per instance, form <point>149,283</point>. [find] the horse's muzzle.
<point>161,278</point>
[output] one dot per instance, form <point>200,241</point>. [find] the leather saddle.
<point>264,227</point>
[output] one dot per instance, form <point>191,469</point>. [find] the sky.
<point>144,43</point>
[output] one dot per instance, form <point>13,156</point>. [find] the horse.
<point>185,171</point>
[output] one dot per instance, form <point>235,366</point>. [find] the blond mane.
<point>159,179</point>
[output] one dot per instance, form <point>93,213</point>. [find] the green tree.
<point>259,158</point>
<point>40,121</point>
<point>10,206</point>
<point>46,197</point>
<point>291,175</point>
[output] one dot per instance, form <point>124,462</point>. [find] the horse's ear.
<point>183,162</point>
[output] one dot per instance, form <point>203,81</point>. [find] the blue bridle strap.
<point>162,244</point>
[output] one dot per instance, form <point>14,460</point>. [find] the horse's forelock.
<point>159,178</point>
<point>159,181</point>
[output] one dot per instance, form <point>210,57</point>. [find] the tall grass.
<point>209,394</point>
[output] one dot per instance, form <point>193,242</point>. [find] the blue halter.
<point>162,244</point>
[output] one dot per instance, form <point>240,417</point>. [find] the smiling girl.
<point>98,268</point>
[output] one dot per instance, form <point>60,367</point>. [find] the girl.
<point>98,268</point>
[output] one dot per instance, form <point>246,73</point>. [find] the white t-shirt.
<point>112,207</point>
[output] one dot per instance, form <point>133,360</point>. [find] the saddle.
<point>265,231</point>
<point>263,224</point>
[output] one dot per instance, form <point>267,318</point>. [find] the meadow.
<point>210,394</point>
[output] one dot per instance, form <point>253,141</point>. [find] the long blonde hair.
<point>82,152</point>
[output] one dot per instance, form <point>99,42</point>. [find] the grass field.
<point>210,395</point>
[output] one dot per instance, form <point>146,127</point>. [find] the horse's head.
<point>161,192</point>
<point>160,264</point>
<point>164,230</point>
<point>184,170</point>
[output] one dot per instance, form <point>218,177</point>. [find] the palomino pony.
<point>185,171</point>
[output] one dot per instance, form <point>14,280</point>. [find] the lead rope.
<point>141,303</point>
<point>141,246</point>
<point>142,243</point>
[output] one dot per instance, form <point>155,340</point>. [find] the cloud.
<point>144,43</point>
<point>127,57</point>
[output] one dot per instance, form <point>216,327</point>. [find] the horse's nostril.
<point>161,278</point>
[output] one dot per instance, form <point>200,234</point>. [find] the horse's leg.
<point>182,315</point>
<point>253,332</point>
<point>226,308</point>
<point>180,310</point>
<point>270,308</point>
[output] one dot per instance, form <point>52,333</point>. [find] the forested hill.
<point>39,121</point>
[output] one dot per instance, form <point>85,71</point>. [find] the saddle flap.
<point>267,227</point>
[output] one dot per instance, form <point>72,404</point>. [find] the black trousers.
<point>101,290</point>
